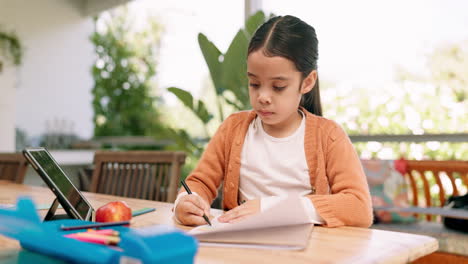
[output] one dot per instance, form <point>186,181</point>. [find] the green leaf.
<point>254,22</point>
<point>185,97</point>
<point>202,113</point>
<point>236,105</point>
<point>212,57</point>
<point>196,106</point>
<point>11,48</point>
<point>234,68</point>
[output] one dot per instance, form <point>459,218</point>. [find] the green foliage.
<point>197,106</point>
<point>212,57</point>
<point>449,65</point>
<point>227,71</point>
<point>123,102</point>
<point>229,79</point>
<point>10,48</point>
<point>412,105</point>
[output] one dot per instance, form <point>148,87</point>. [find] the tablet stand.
<point>51,213</point>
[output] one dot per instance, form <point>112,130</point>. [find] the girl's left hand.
<point>240,212</point>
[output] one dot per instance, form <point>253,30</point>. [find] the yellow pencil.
<point>111,239</point>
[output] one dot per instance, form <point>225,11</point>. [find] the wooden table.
<point>327,245</point>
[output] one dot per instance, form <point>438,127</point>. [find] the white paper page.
<point>289,211</point>
<point>267,247</point>
<point>291,237</point>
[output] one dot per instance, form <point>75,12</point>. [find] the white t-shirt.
<point>272,168</point>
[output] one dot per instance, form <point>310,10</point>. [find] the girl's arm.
<point>349,202</point>
<point>209,172</point>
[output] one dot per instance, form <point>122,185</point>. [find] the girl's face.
<point>275,89</point>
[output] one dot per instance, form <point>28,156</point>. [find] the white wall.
<point>7,107</point>
<point>54,81</point>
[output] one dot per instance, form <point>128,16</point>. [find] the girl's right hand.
<point>190,210</point>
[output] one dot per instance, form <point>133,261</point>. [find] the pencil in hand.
<point>187,189</point>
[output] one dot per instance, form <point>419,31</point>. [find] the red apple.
<point>113,212</point>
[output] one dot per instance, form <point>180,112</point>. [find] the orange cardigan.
<point>340,192</point>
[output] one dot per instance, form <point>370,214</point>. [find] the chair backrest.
<point>151,175</point>
<point>13,167</point>
<point>424,172</point>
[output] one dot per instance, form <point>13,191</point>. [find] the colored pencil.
<point>142,211</point>
<point>107,232</point>
<point>106,224</point>
<point>95,238</point>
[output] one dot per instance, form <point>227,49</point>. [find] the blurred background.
<point>81,75</point>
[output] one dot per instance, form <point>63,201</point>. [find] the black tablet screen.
<point>61,181</point>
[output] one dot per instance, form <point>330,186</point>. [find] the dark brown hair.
<point>293,39</point>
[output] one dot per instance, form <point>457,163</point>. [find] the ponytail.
<point>311,100</point>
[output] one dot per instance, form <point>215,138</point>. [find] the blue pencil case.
<point>154,244</point>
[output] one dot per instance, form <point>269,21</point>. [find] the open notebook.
<point>286,225</point>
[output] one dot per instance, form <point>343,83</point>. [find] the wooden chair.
<point>13,167</point>
<point>85,175</point>
<point>151,175</point>
<point>422,173</point>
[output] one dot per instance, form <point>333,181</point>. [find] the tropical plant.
<point>227,71</point>
<point>229,84</point>
<point>10,48</point>
<point>228,75</point>
<point>124,101</point>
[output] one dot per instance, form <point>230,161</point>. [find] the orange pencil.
<point>108,232</point>
<point>111,239</point>
<point>95,238</point>
<point>90,240</point>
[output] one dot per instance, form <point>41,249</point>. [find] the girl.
<point>283,146</point>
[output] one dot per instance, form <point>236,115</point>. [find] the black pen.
<point>190,192</point>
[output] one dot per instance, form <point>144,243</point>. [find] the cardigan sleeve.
<point>349,202</point>
<point>209,172</point>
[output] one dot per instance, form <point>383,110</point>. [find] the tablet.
<point>71,199</point>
